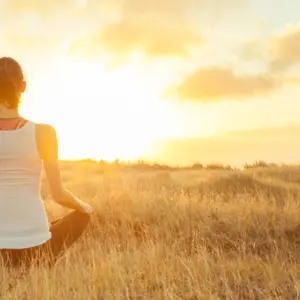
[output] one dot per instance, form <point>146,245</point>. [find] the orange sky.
<point>126,73</point>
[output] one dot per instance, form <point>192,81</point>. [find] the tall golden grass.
<point>174,235</point>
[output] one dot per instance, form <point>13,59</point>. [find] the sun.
<point>99,113</point>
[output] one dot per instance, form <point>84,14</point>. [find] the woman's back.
<point>25,147</point>
<point>23,221</point>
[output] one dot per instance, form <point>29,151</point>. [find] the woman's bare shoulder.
<point>47,143</point>
<point>45,130</point>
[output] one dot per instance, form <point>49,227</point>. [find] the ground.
<point>184,234</point>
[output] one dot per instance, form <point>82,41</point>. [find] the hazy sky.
<point>125,73</point>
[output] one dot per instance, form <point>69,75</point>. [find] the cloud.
<point>154,39</point>
<point>284,48</point>
<point>294,80</point>
<point>156,28</point>
<point>280,52</point>
<point>212,84</point>
<point>254,50</point>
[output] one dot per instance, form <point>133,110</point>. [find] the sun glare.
<point>98,113</point>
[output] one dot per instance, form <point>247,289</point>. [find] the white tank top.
<point>23,220</point>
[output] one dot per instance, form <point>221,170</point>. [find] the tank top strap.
<point>21,123</point>
<point>28,127</point>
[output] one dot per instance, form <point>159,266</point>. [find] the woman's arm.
<point>48,148</point>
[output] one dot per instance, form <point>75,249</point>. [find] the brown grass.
<point>226,235</point>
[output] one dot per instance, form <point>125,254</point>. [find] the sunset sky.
<point>209,78</point>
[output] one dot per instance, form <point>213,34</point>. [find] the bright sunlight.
<point>120,112</point>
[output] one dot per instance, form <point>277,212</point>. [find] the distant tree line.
<point>143,165</point>
<point>260,164</point>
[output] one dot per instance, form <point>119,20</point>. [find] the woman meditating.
<point>26,147</point>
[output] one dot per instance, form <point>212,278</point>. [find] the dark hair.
<point>11,75</point>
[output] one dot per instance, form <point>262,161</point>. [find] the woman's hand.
<point>83,207</point>
<point>86,208</point>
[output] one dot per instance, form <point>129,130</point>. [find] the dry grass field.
<point>192,234</point>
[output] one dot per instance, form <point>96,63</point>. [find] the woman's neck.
<point>6,113</point>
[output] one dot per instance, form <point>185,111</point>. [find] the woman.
<point>25,147</point>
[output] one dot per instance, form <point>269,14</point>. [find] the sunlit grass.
<point>160,235</point>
